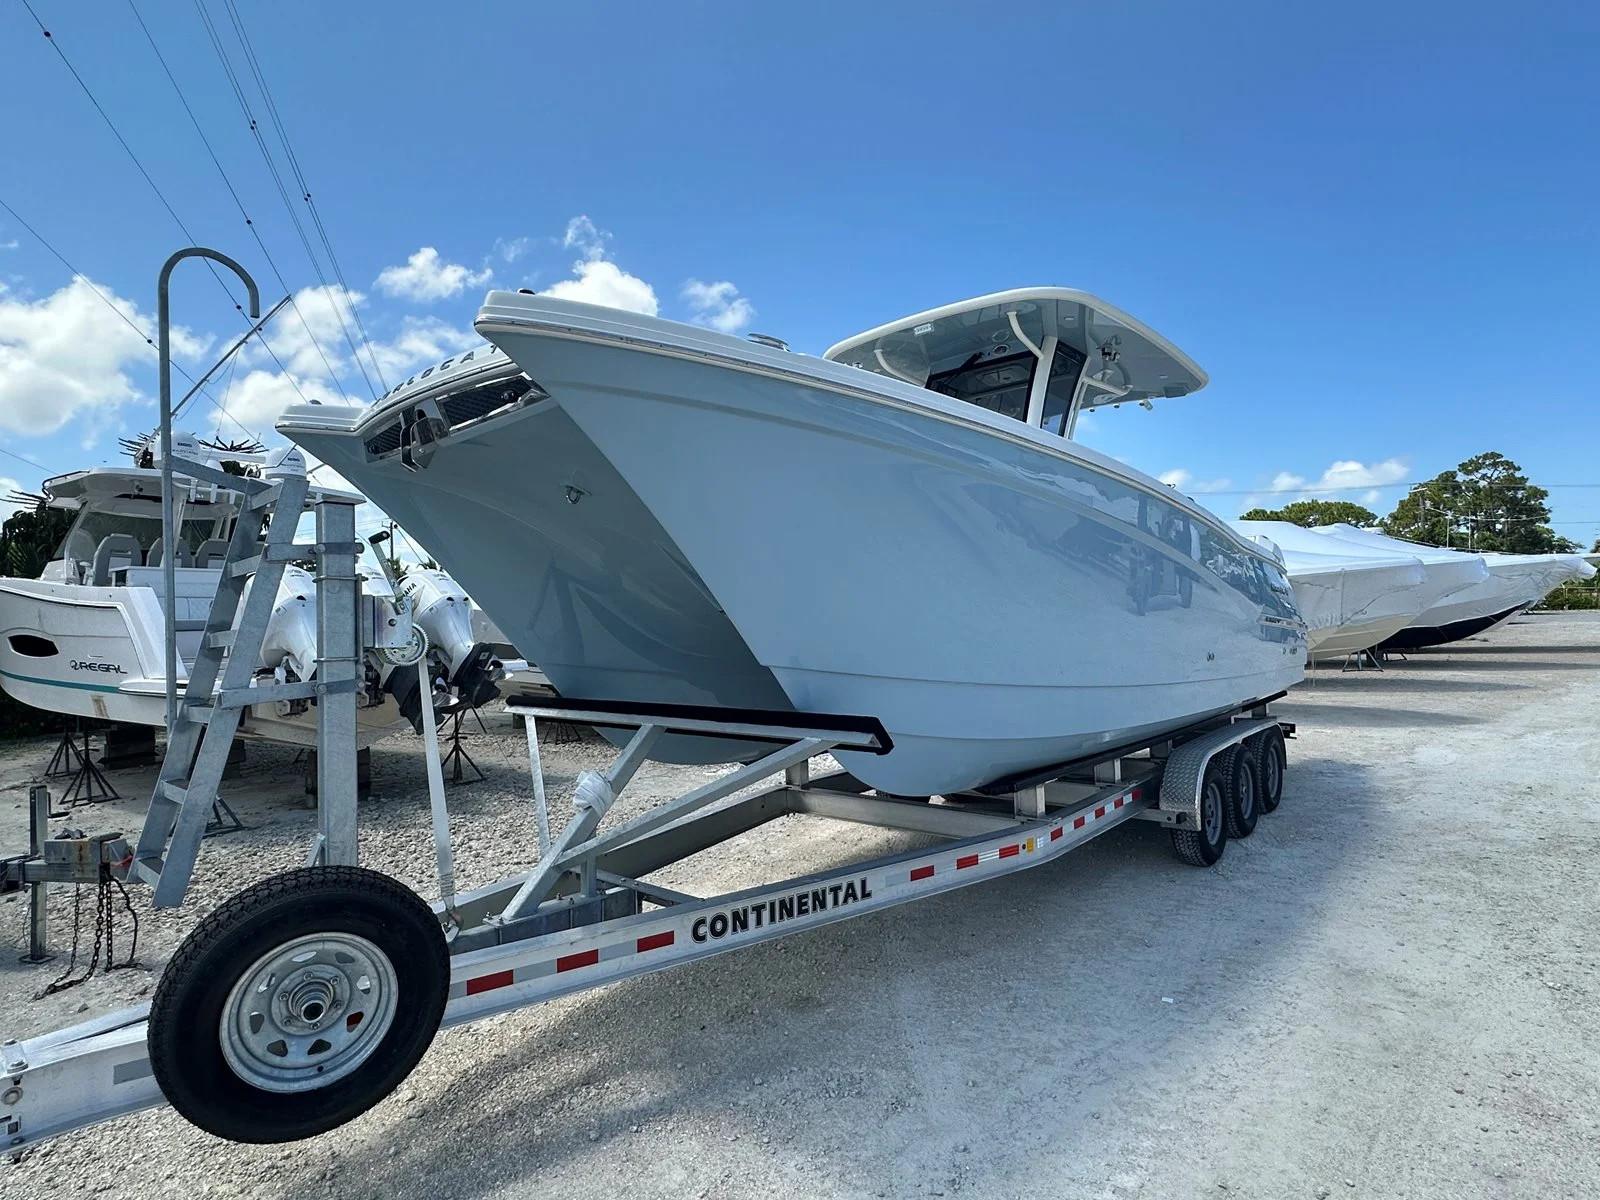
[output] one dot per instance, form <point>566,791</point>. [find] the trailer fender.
<point>1185,772</point>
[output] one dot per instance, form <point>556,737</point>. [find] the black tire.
<point>185,1028</point>
<point>1271,765</point>
<point>1202,847</point>
<point>1244,805</point>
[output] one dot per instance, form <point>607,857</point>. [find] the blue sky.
<point>1374,226</point>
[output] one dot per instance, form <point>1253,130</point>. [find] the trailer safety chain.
<point>104,931</point>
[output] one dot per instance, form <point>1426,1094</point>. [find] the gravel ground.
<point>1390,990</point>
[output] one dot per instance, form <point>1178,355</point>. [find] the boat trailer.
<point>583,917</point>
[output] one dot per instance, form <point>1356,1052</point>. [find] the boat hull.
<point>999,607</point>
<point>96,652</point>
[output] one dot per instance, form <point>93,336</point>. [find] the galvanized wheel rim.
<point>1274,772</point>
<point>1213,811</point>
<point>1247,792</point>
<point>309,1012</point>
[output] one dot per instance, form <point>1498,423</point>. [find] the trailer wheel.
<point>1271,763</point>
<point>301,1002</point>
<point>1244,792</point>
<point>1202,847</point>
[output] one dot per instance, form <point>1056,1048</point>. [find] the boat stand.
<point>88,783</point>
<point>456,760</point>
<point>1361,660</point>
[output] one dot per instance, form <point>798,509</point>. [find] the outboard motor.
<point>442,610</point>
<point>291,637</point>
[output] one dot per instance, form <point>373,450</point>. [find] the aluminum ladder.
<point>220,685</point>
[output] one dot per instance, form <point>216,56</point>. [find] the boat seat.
<point>121,549</point>
<point>212,551</point>
<point>158,553</point>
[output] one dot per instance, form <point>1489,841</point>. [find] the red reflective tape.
<point>655,941</point>
<point>1119,802</point>
<point>920,873</point>
<point>970,860</point>
<point>488,983</point>
<point>1055,833</point>
<point>1010,851</point>
<point>1099,812</point>
<point>1136,794</point>
<point>571,962</point>
<point>1078,824</point>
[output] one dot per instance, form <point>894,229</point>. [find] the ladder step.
<point>268,693</point>
<point>245,566</point>
<point>146,870</point>
<point>221,640</point>
<point>174,792</point>
<point>265,498</point>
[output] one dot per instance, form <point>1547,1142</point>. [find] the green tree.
<point>1312,513</point>
<point>1486,503</point>
<point>1595,549</point>
<point>29,538</point>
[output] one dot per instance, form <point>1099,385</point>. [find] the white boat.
<point>902,529</point>
<point>1513,583</point>
<point>1350,602</point>
<point>86,638</point>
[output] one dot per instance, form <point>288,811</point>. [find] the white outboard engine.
<point>291,638</point>
<point>442,610</point>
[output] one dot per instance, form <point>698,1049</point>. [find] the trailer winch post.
<point>338,677</point>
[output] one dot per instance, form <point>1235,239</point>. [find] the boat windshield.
<point>987,352</point>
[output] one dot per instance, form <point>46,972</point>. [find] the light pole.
<point>169,538</point>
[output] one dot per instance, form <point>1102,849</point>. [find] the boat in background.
<point>1513,583</point>
<point>1350,602</point>
<point>87,637</point>
<point>902,529</point>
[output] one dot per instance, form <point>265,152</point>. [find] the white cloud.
<point>582,236</point>
<point>1185,481</point>
<point>7,486</point>
<point>256,399</point>
<point>598,280</point>
<point>718,305</point>
<point>426,276</point>
<point>65,358</point>
<point>1345,476</point>
<point>11,245</point>
<point>511,249</point>
<point>421,341</point>
<point>308,336</point>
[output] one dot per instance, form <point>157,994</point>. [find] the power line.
<point>229,184</point>
<point>160,195</point>
<point>117,133</point>
<point>106,300</point>
<point>23,458</point>
<point>305,193</point>
<point>216,45</point>
<point>282,189</point>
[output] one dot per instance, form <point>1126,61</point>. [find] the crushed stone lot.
<point>1390,990</point>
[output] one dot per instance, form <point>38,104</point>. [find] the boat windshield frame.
<point>983,341</point>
